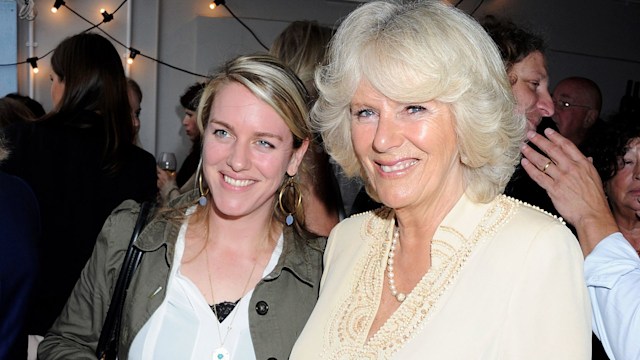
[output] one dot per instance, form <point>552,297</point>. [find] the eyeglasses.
<point>564,105</point>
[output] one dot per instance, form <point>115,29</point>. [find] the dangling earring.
<point>203,192</point>
<point>290,183</point>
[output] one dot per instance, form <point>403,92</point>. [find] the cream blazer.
<point>506,282</point>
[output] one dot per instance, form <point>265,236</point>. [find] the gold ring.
<point>546,166</point>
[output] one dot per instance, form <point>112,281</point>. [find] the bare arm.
<point>573,185</point>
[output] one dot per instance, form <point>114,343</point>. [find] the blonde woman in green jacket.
<point>228,270</point>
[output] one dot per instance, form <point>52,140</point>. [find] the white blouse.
<point>185,327</point>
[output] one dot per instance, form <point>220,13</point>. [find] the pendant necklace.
<point>221,353</point>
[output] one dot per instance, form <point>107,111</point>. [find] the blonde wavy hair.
<point>417,52</point>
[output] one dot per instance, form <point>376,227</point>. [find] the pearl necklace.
<point>390,274</point>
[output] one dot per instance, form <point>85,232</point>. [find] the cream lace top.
<point>486,296</point>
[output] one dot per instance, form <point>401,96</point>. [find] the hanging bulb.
<point>215,3</point>
<point>33,61</point>
<point>56,6</point>
<point>132,55</point>
<point>106,17</point>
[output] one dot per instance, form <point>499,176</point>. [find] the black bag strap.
<point>110,334</point>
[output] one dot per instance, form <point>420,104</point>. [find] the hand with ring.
<point>573,184</point>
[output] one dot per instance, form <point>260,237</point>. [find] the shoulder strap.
<point>110,334</point>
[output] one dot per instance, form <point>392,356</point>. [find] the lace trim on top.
<point>347,331</point>
<point>223,309</point>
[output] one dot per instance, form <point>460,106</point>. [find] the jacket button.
<point>262,308</point>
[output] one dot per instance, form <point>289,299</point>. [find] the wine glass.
<point>167,162</point>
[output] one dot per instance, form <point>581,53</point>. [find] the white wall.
<point>189,35</point>
<point>8,38</point>
<point>185,33</point>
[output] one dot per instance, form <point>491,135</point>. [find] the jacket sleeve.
<point>75,333</point>
<point>549,312</point>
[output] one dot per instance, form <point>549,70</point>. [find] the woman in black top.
<point>171,184</point>
<point>80,162</point>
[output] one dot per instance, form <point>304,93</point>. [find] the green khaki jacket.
<point>279,307</point>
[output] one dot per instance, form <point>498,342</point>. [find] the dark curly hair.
<point>609,142</point>
<point>515,43</point>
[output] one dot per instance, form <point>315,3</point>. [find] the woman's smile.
<point>237,182</point>
<point>397,167</point>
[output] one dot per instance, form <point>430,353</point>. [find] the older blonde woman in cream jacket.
<point>416,100</point>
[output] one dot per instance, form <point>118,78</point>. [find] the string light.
<point>132,55</point>
<point>215,3</point>
<point>106,16</point>
<point>221,2</point>
<point>33,61</point>
<point>56,6</point>
<point>132,52</point>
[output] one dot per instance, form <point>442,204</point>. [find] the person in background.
<point>302,46</point>
<point>615,151</point>
<point>222,275</point>
<point>523,56</point>
<point>171,185</point>
<point>80,162</point>
<point>134,93</point>
<point>612,265</point>
<point>33,105</point>
<point>13,111</point>
<point>19,233</point>
<point>415,97</point>
<point>577,101</point>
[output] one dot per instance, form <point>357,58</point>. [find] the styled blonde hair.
<point>417,52</point>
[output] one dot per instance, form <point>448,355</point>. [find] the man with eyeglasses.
<point>577,103</point>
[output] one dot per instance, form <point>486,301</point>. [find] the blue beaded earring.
<point>293,186</point>
<point>203,192</point>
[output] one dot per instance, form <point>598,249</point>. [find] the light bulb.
<point>56,5</point>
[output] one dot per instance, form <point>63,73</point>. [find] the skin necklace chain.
<point>221,353</point>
